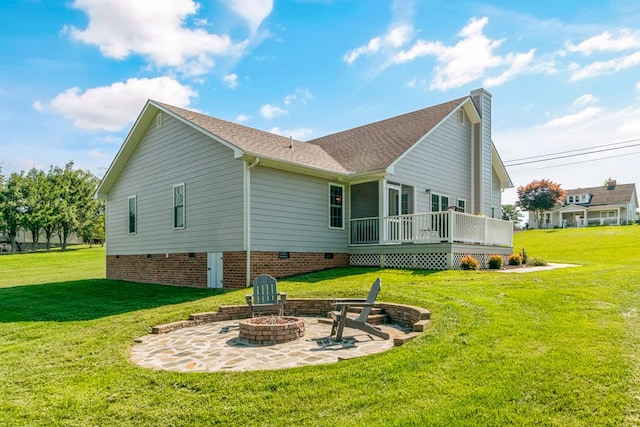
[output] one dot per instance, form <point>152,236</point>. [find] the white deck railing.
<point>434,227</point>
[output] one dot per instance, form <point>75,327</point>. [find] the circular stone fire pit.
<point>271,330</point>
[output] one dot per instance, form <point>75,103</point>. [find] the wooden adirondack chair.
<point>341,319</point>
<point>266,296</point>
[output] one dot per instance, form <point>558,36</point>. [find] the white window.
<point>336,206</point>
<point>178,206</point>
<point>462,204</point>
<point>159,119</point>
<point>439,202</point>
<point>461,116</point>
<point>133,214</point>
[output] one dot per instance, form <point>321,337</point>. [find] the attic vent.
<point>461,116</point>
<point>159,119</point>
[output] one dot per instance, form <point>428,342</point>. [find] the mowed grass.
<point>556,347</point>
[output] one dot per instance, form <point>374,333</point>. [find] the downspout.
<point>247,219</point>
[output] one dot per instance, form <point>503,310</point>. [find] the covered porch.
<point>384,213</point>
<point>397,226</point>
<point>581,216</point>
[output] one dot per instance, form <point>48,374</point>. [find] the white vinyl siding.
<point>174,153</point>
<point>289,213</point>
<point>440,163</point>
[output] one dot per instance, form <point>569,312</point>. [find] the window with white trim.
<point>133,214</point>
<point>178,206</point>
<point>439,202</point>
<point>336,206</point>
<point>159,119</point>
<point>462,204</point>
<point>461,116</point>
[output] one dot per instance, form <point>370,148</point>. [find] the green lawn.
<point>557,347</point>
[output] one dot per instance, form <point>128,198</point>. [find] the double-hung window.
<point>133,213</point>
<point>178,206</point>
<point>336,206</point>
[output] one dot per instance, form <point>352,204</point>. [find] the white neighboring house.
<point>611,204</point>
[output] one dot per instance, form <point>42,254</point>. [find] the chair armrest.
<point>283,297</point>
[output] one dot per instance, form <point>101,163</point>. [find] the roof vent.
<point>291,142</point>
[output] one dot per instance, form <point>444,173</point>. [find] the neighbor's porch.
<point>578,216</point>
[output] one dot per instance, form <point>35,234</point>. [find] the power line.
<point>590,160</point>
<point>575,150</point>
<point>572,155</point>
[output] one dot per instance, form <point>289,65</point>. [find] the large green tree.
<point>539,196</point>
<point>35,192</point>
<point>12,207</point>
<point>511,213</point>
<point>77,207</point>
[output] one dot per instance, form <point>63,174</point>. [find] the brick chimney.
<point>611,184</point>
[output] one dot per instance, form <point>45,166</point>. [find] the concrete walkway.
<point>216,347</point>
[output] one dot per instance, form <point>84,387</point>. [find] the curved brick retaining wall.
<point>406,315</point>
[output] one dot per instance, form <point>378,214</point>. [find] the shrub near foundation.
<point>495,262</point>
<point>514,259</point>
<point>469,263</point>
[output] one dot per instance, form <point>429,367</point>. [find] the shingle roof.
<point>258,142</point>
<point>375,146</point>
<point>622,193</point>
<point>366,148</point>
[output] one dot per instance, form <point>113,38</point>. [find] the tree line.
<point>59,203</point>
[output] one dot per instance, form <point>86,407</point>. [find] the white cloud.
<point>231,80</point>
<point>599,68</point>
<point>396,37</point>
<point>154,29</point>
<point>585,99</point>
<point>471,58</point>
<point>97,154</point>
<point>416,82</point>
<point>571,120</point>
<point>269,111</point>
<point>252,11</point>
<point>111,108</point>
<point>242,118</point>
<point>297,134</point>
<point>591,127</point>
<point>624,40</point>
<point>300,95</point>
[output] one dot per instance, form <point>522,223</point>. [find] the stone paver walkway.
<point>216,347</point>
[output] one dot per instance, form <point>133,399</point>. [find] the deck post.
<point>450,225</point>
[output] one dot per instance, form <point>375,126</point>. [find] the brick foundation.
<point>191,269</point>
<point>234,265</point>
<point>172,269</point>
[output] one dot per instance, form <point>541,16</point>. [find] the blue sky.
<point>565,76</point>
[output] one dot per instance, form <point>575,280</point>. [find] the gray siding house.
<point>193,200</point>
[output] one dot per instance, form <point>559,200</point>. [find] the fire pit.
<point>271,330</point>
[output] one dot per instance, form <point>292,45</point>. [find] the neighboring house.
<point>610,204</point>
<point>198,201</point>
